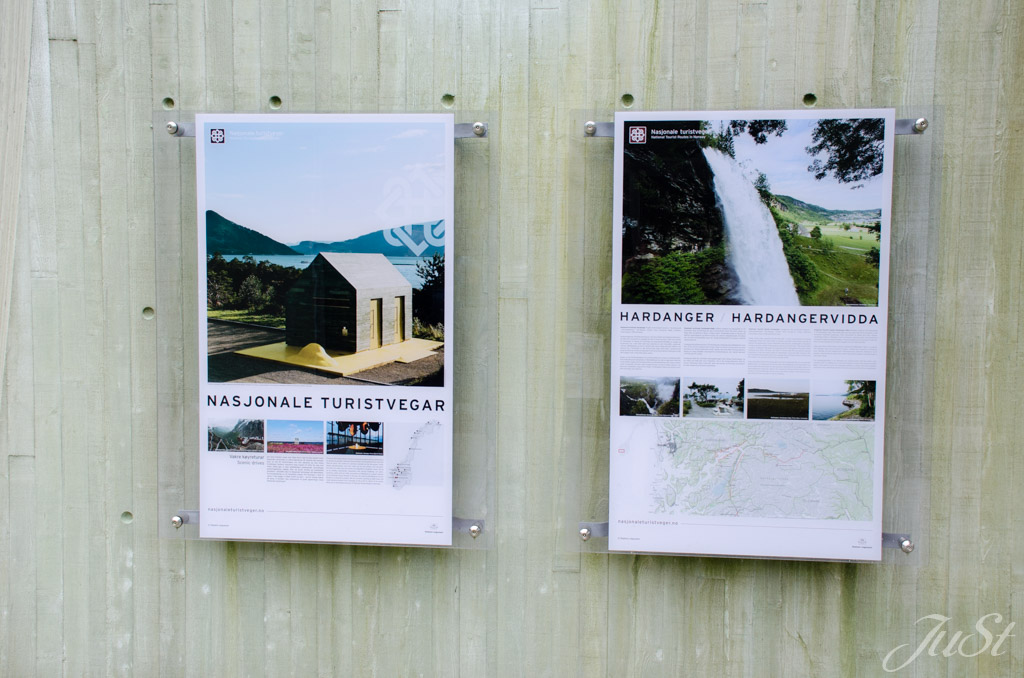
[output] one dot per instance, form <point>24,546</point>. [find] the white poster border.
<point>319,511</point>
<point>642,530</point>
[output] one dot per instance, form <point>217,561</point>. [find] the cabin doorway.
<point>375,322</point>
<point>399,319</point>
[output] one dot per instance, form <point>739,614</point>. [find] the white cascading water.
<point>754,251</point>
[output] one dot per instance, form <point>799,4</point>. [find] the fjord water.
<point>754,250</point>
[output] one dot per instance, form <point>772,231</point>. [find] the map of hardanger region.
<point>759,469</point>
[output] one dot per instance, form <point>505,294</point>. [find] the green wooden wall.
<point>94,383</point>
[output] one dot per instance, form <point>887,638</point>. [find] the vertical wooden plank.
<point>303,603</point>
<point>998,488</point>
<point>5,542</point>
<point>246,95</point>
<point>278,630</point>
<point>407,599</point>
<point>840,32</point>
<point>37,185</point>
<point>368,646</point>
<point>392,68</point>
<point>198,650</point>
<point>419,71</point>
<point>862,55</point>
<point>600,609</point>
<point>219,601</point>
<point>445,37</point>
<point>111,467</point>
<point>17,437</point>
<point>328,623</point>
<point>22,577</point>
<point>753,35</point>
<point>475,43</point>
<point>219,50</point>
<point>439,612</point>
<point>47,475</point>
<point>513,83</point>
<point>364,51</point>
<point>543,211</point>
<point>227,619</point>
<point>811,617</point>
<point>252,592</point>
<point>61,22</point>
<point>71,306</point>
<point>721,76</point>
<point>274,78</point>
<point>1005,349</point>
<point>92,348</point>
<point>49,392</point>
<point>301,55</point>
<point>971,273</point>
<point>477,214</point>
<point>331,58</point>
<point>782,66</point>
<point>193,90</point>
<point>15,48</point>
<point>810,50</point>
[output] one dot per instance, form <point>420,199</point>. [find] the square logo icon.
<point>638,135</point>
<point>216,136</point>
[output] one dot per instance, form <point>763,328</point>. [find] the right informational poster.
<point>750,288</point>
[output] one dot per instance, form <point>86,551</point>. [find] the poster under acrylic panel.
<point>750,285</point>
<point>325,297</point>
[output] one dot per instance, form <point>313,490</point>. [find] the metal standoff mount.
<point>585,533</point>
<point>465,130</point>
<point>598,129</point>
<point>911,125</point>
<point>473,526</point>
<point>185,517</point>
<point>180,129</point>
<point>906,545</point>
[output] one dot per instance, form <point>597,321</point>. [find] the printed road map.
<point>756,469</point>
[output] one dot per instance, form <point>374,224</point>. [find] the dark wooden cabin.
<point>349,302</point>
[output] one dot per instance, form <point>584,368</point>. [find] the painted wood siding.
<point>98,259</point>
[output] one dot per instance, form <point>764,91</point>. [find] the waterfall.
<point>754,251</point>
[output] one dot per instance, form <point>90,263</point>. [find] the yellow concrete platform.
<point>314,356</point>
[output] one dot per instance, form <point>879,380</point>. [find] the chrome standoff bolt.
<point>172,128</point>
<point>585,533</point>
<point>177,520</point>
<point>590,128</point>
<point>920,125</point>
<point>479,129</point>
<point>474,531</point>
<point>906,546</point>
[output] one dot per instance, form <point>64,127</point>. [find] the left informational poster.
<point>325,296</point>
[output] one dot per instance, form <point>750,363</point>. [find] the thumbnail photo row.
<point>742,398</point>
<point>296,436</point>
